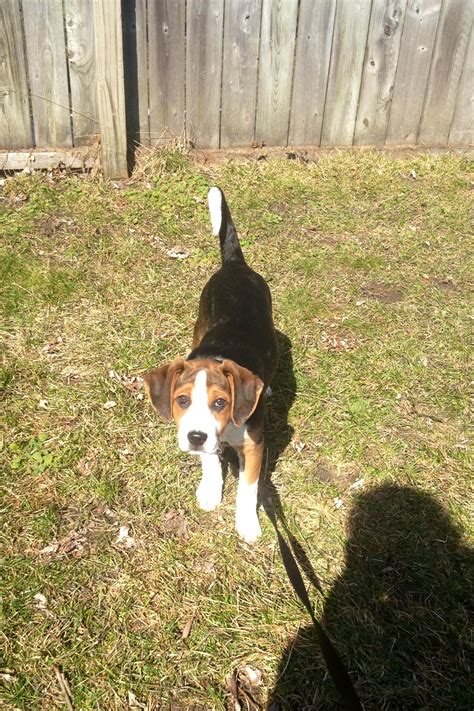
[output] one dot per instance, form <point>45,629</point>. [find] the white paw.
<point>248,527</point>
<point>208,497</point>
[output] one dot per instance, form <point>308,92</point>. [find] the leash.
<point>331,657</point>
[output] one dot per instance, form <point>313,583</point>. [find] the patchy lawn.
<point>106,558</point>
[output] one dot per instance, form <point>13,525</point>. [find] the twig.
<point>64,686</point>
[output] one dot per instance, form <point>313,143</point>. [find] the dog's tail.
<point>223,226</point>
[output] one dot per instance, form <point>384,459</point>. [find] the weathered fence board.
<point>313,52</point>
<point>419,33</point>
<point>233,73</point>
<point>110,86</point>
<point>446,67</point>
<point>239,78</point>
<point>204,71</point>
<point>166,37</point>
<point>47,70</point>
<point>15,124</point>
<point>81,57</point>
<point>277,49</point>
<point>462,127</point>
<point>378,75</point>
<point>83,158</point>
<point>347,56</point>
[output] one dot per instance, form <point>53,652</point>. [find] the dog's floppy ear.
<point>159,385</point>
<point>245,389</point>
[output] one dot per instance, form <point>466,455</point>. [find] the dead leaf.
<point>8,675</point>
<point>298,445</point>
<point>43,405</point>
<point>71,545</point>
<point>40,601</point>
<point>339,342</point>
<point>134,703</point>
<point>404,405</point>
<point>87,464</point>
<point>70,374</point>
<point>357,484</point>
<point>177,253</point>
<point>109,404</point>
<point>131,383</point>
<point>53,347</point>
<point>110,514</point>
<point>187,627</point>
<point>123,539</point>
<point>174,523</point>
<point>243,686</point>
<point>49,550</point>
<point>254,676</point>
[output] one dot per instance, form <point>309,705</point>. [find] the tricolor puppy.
<point>215,395</point>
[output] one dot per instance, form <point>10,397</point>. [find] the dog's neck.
<point>196,354</point>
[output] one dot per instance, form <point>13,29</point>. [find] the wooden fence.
<point>231,73</point>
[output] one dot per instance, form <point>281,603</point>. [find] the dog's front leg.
<point>246,519</point>
<point>209,491</point>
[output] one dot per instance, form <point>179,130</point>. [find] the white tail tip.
<point>214,200</point>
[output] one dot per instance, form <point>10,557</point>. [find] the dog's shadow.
<point>278,435</point>
<point>278,431</point>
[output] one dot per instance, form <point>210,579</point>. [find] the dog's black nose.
<point>196,438</point>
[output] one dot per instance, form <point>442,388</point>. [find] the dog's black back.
<point>235,310</point>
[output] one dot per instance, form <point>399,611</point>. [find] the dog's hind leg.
<point>209,491</point>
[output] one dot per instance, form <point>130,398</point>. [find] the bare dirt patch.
<point>383,293</point>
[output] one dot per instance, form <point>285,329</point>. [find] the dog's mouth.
<point>198,447</point>
<point>201,450</point>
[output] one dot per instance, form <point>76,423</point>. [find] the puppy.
<point>215,395</point>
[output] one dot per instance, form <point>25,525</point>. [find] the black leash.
<point>332,659</point>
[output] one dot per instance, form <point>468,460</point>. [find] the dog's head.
<point>203,396</point>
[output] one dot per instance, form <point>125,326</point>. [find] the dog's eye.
<point>220,403</point>
<point>183,401</point>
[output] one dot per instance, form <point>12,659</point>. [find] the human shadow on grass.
<point>399,612</point>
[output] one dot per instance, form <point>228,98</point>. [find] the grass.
<point>368,261</point>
